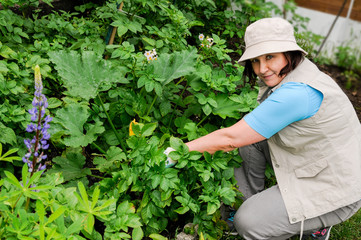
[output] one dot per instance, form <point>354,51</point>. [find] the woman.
<point>306,127</point>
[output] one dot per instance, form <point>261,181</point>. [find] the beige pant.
<point>263,215</point>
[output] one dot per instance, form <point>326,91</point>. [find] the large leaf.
<point>87,74</point>
<point>7,134</point>
<point>226,107</point>
<point>111,159</point>
<point>72,118</point>
<point>172,66</point>
<point>72,166</point>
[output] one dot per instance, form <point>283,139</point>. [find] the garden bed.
<point>104,179</point>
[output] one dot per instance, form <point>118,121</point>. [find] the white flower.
<point>151,55</point>
<point>201,37</point>
<point>147,53</point>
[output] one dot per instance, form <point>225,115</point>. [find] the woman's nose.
<point>263,67</point>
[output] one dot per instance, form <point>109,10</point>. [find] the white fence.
<point>346,32</point>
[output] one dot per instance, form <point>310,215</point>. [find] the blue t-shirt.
<point>290,103</point>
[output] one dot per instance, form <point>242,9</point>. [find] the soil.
<point>353,93</point>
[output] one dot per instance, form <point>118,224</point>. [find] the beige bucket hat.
<point>269,35</point>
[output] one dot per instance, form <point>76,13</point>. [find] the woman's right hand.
<point>169,162</point>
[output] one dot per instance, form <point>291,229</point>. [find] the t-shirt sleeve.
<point>290,103</point>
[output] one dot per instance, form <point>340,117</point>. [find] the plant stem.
<point>99,148</point>
<point>180,96</point>
<point>27,203</point>
<point>151,105</point>
<point>17,200</point>
<point>205,117</point>
<point>112,126</point>
<point>96,176</point>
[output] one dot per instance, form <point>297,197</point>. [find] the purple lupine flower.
<point>40,126</point>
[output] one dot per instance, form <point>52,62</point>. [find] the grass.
<point>348,230</point>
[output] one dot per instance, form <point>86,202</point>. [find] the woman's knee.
<point>246,222</point>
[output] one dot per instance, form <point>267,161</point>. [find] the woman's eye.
<point>268,57</point>
<point>254,60</point>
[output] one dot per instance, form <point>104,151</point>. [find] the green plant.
<point>104,181</point>
<point>351,79</point>
<point>346,58</point>
<point>6,157</point>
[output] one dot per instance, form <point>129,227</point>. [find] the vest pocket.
<point>312,169</point>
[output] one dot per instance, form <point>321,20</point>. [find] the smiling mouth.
<point>268,76</point>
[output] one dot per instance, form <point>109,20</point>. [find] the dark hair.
<point>293,59</point>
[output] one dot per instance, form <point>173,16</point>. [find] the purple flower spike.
<point>41,167</point>
<point>48,119</point>
<point>29,128</point>
<point>39,125</point>
<point>46,136</point>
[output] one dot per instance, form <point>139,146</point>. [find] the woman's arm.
<point>226,139</point>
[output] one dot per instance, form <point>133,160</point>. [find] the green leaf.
<point>192,130</point>
<point>33,179</point>
<point>4,157</point>
<point>150,41</point>
<point>3,68</point>
<point>54,103</point>
<point>165,108</point>
<point>182,210</point>
<point>89,223</point>
<point>226,107</point>
<point>148,129</point>
<point>7,52</point>
<point>84,196</point>
<point>56,214</point>
<point>113,155</point>
<point>7,134</point>
<point>72,166</point>
<point>104,205</point>
<point>172,66</point>
<point>137,233</point>
<point>40,210</point>
<point>125,208</point>
<point>122,30</point>
<point>85,75</point>
<point>73,228</point>
<point>207,109</point>
<point>175,143</point>
<point>212,207</point>
<point>72,118</point>
<point>156,236</point>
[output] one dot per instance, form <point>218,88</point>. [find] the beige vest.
<point>317,161</point>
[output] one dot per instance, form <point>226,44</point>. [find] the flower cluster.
<point>208,41</point>
<point>151,55</point>
<point>40,126</point>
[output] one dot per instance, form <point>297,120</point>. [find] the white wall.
<point>345,32</point>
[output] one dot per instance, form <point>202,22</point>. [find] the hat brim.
<point>267,47</point>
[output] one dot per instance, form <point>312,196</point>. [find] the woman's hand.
<point>169,162</point>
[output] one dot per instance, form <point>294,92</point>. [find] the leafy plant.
<point>103,180</point>
<point>6,157</point>
<point>89,207</point>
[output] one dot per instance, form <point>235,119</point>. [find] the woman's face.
<point>268,66</point>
